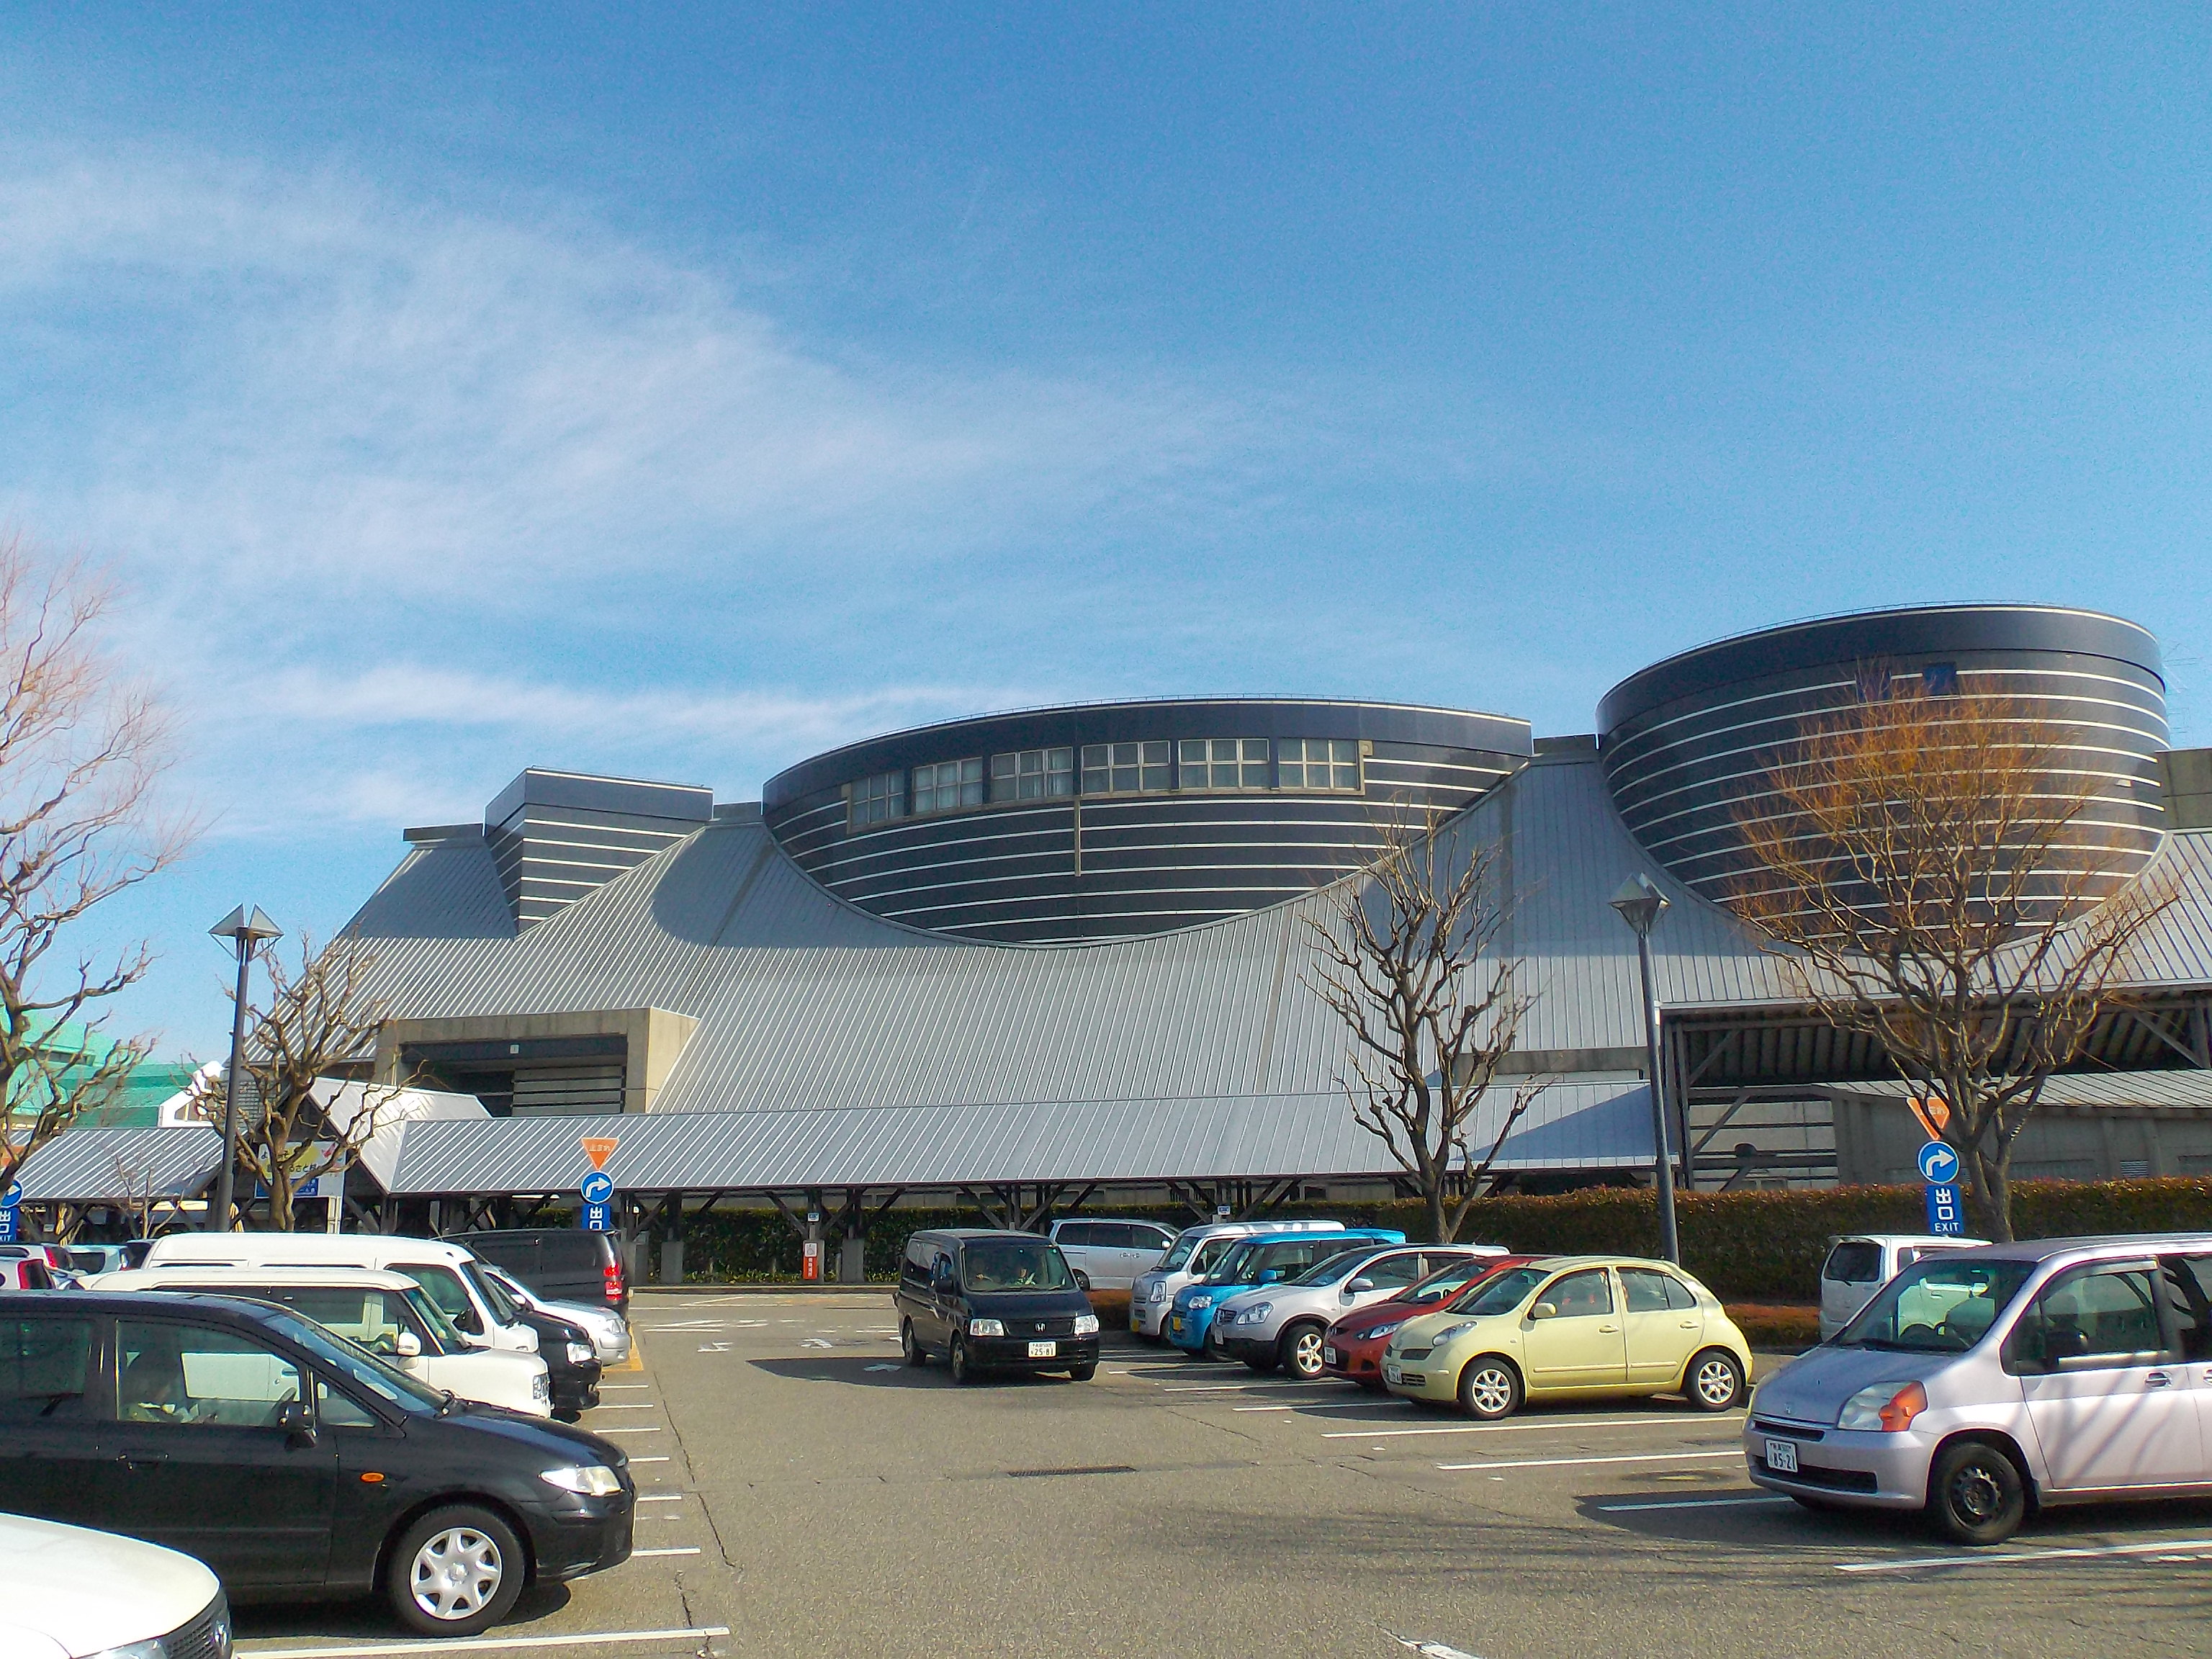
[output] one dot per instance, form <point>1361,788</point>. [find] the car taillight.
<point>614,1281</point>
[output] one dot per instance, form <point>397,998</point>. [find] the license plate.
<point>1782,1456</point>
<point>1049,1350</point>
<point>1392,1373</point>
<point>1175,1324</point>
<point>1329,1356</point>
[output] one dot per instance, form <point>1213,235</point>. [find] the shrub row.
<point>1752,1247</point>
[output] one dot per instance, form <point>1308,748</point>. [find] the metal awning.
<point>112,1166</point>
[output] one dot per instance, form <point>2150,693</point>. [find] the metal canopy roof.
<point>1571,1125</point>
<point>113,1166</point>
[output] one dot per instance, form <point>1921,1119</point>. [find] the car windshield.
<point>1014,1265</point>
<point>1445,1280</point>
<point>1500,1294</point>
<point>1229,1270</point>
<point>1179,1253</point>
<point>1329,1269</point>
<point>364,1369</point>
<point>517,1292</point>
<point>501,1305</point>
<point>447,1332</point>
<point>1941,1305</point>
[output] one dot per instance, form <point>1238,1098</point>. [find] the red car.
<point>1352,1350</point>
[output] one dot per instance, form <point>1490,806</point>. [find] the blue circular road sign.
<point>13,1196</point>
<point>599,1187</point>
<point>1939,1164</point>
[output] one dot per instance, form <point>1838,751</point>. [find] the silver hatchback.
<point>1981,1385</point>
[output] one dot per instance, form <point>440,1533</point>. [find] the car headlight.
<point>1086,1324</point>
<point>1374,1331</point>
<point>986,1328</point>
<point>585,1480</point>
<point>581,1353</point>
<point>1447,1334</point>
<point>1884,1407</point>
<point>1199,1301</point>
<point>151,1648</point>
<point>1255,1314</point>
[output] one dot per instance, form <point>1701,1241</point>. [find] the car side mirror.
<point>297,1422</point>
<point>1360,1286</point>
<point>407,1345</point>
<point>1544,1310</point>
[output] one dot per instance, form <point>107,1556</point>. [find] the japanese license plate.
<point>1328,1351</point>
<point>1782,1456</point>
<point>1049,1350</point>
<point>1174,1321</point>
<point>1391,1374</point>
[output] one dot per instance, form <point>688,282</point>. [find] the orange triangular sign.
<point>599,1149</point>
<point>1933,1114</point>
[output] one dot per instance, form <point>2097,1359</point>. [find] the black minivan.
<point>993,1301</point>
<point>293,1463</point>
<point>561,1264</point>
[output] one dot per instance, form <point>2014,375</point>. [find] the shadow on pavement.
<point>369,1621</point>
<point>865,1371</point>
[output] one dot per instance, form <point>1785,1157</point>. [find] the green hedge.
<point>1761,1246</point>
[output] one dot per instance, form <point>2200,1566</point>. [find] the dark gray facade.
<point>1103,821</point>
<point>557,836</point>
<point>1689,742</point>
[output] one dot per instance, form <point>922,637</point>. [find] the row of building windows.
<point>1155,767</point>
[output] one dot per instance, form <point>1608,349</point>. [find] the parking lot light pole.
<point>245,927</point>
<point>1640,903</point>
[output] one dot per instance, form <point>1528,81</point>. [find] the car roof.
<point>1945,1241</point>
<point>1118,1220</point>
<point>170,1303</point>
<point>2089,1245</point>
<point>970,1235</point>
<point>218,1272</point>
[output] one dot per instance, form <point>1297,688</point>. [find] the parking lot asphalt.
<point>805,1492</point>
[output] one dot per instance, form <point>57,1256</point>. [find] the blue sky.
<point>676,391</point>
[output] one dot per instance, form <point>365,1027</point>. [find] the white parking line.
<point>649,1459</point>
<point>1225,1388</point>
<point>1511,1428</point>
<point>1572,1462</point>
<point>655,1429</point>
<point>609,1388</point>
<point>1691,1504</point>
<point>688,1549</point>
<point>1351,1406</point>
<point>677,1497</point>
<point>2028,1558</point>
<point>485,1643</point>
<point>639,1405</point>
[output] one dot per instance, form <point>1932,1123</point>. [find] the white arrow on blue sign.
<point>599,1187</point>
<point>1939,1164</point>
<point>13,1196</point>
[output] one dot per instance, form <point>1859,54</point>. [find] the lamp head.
<point>1639,903</point>
<point>246,926</point>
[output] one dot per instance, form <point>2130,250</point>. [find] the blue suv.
<point>1263,1259</point>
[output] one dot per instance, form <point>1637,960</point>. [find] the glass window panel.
<point>188,1374</point>
<point>1318,763</point>
<point>45,1365</point>
<point>875,800</point>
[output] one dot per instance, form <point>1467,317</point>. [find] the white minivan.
<point>1196,1253</point>
<point>1859,1264</point>
<point>448,1272</point>
<point>388,1313</point>
<point>1108,1254</point>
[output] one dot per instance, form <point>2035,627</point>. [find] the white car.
<point>1859,1264</point>
<point>1107,1255</point>
<point>1196,1253</point>
<point>448,1272</point>
<point>1281,1325</point>
<point>388,1313</point>
<point>72,1593</point>
<point>608,1331</point>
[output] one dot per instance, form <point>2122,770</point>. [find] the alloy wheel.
<point>456,1573</point>
<point>1305,1354</point>
<point>1716,1384</point>
<point>1489,1391</point>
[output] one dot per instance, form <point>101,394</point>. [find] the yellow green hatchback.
<point>1573,1327</point>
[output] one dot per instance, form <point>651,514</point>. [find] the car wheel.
<point>1714,1381</point>
<point>964,1370</point>
<point>910,1345</point>
<point>1975,1493</point>
<point>1489,1388</point>
<point>1300,1352</point>
<point>454,1572</point>
<point>1083,1373</point>
<point>567,1417</point>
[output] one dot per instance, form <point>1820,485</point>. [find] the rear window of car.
<point>1854,1261</point>
<point>1080,1233</point>
<point>45,1366</point>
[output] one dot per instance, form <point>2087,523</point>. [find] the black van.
<point>561,1264</point>
<point>293,1464</point>
<point>992,1301</point>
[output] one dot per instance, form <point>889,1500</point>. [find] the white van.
<point>388,1313</point>
<point>1108,1254</point>
<point>1859,1264</point>
<point>447,1272</point>
<point>1196,1253</point>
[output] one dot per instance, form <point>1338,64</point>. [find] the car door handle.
<point>135,1461</point>
<point>1690,1324</point>
<point>2157,1380</point>
<point>1607,1330</point>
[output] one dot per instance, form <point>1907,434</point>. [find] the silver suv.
<point>1283,1325</point>
<point>1197,1252</point>
<point>1979,1385</point>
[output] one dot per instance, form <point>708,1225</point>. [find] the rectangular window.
<point>1125,768</point>
<point>1223,763</point>
<point>200,1375</point>
<point>1319,762</point>
<point>875,800</point>
<point>1033,775</point>
<point>948,784</point>
<point>44,1366</point>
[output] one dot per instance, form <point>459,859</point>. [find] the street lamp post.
<point>245,927</point>
<point>1640,903</point>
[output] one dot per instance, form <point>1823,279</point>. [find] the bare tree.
<point>299,1117</point>
<point>1929,875</point>
<point>81,752</point>
<point>1409,963</point>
